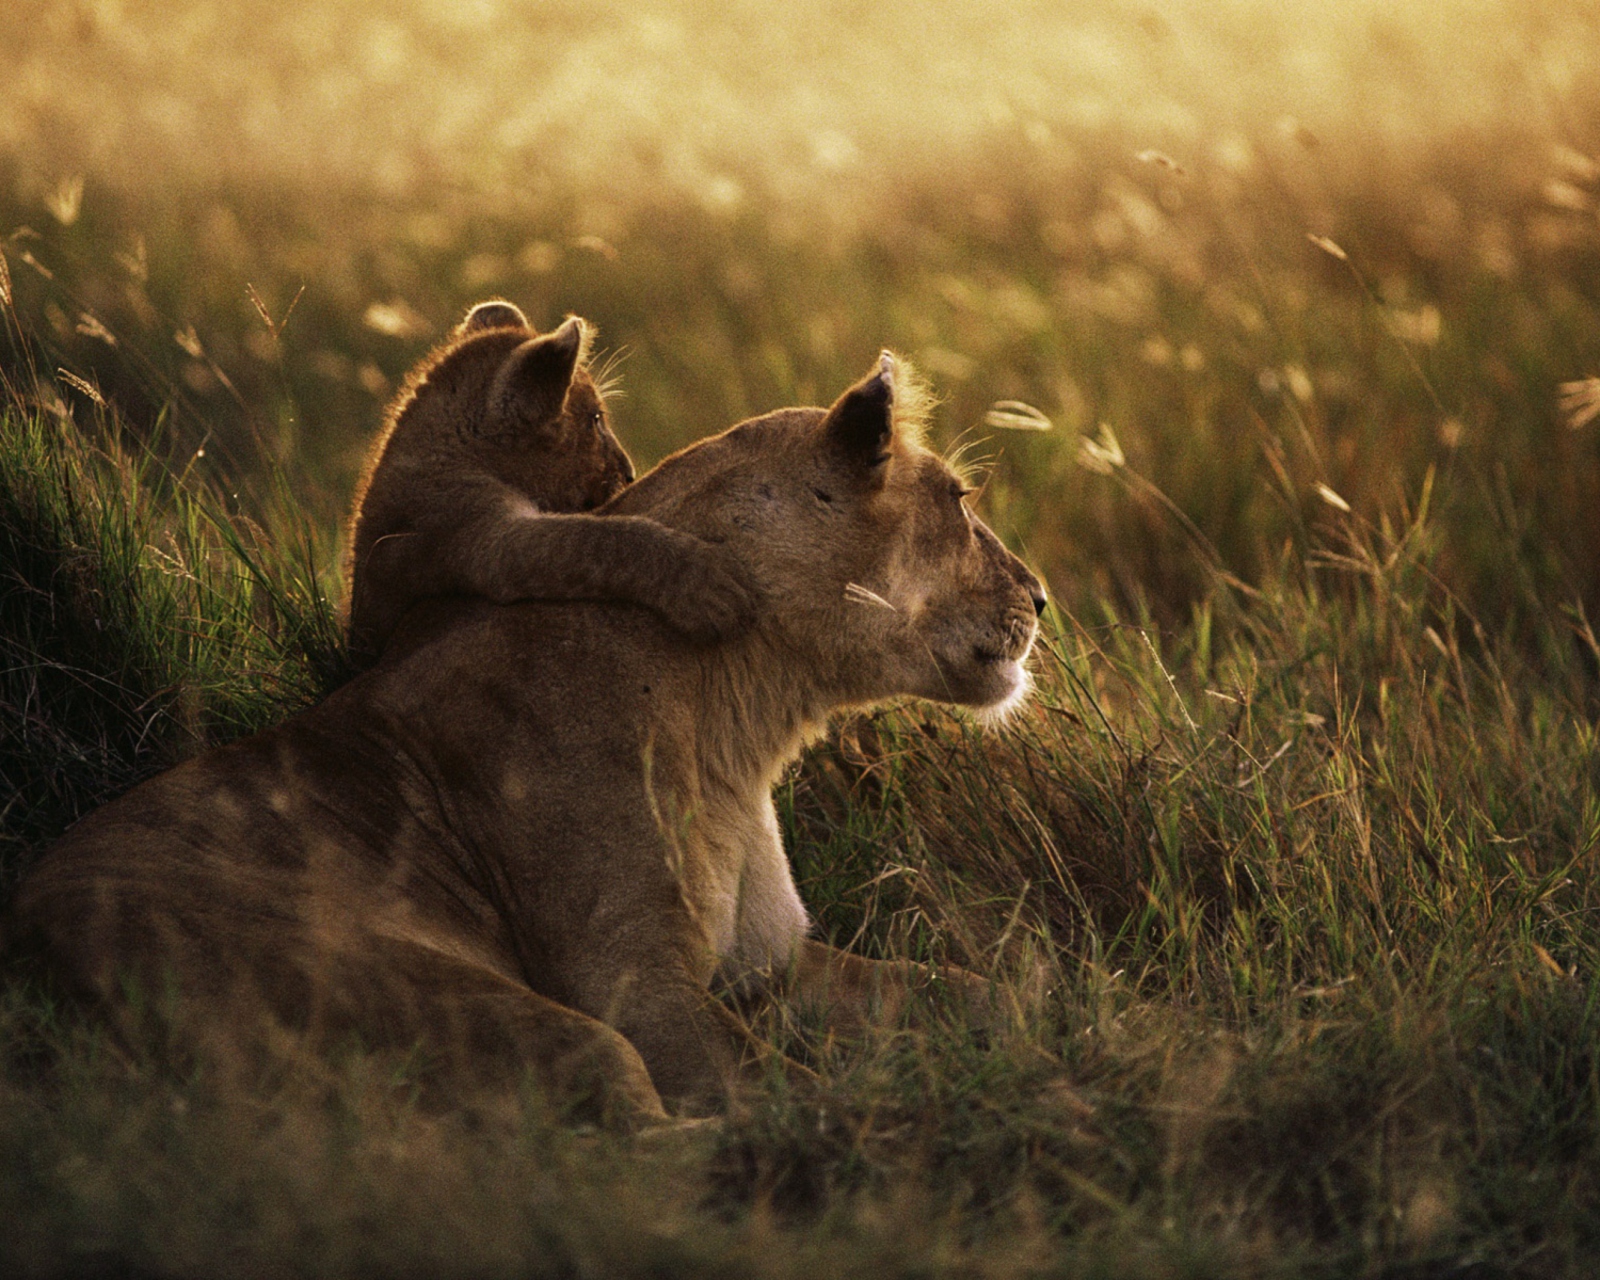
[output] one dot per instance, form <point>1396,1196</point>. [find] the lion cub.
<point>492,453</point>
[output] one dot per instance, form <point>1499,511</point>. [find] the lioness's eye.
<point>597,419</point>
<point>958,491</point>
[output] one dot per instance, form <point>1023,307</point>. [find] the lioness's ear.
<point>860,425</point>
<point>531,386</point>
<point>497,313</point>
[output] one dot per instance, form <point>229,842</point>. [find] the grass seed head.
<point>79,384</point>
<point>1328,247</point>
<point>1580,402</point>
<point>66,201</point>
<point>1331,498</point>
<point>1103,455</point>
<point>1015,415</point>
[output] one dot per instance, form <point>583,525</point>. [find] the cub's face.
<point>874,566</point>
<point>571,461</point>
<point>543,427</point>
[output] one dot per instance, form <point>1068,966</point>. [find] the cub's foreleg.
<point>494,543</point>
<point>697,587</point>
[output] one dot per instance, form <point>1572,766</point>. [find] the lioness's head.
<point>880,579</point>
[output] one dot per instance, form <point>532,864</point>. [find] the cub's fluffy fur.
<point>493,451</point>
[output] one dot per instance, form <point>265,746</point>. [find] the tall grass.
<point>140,620</point>
<point>1292,909</point>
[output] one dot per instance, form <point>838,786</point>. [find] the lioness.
<point>532,835</point>
<point>496,440</point>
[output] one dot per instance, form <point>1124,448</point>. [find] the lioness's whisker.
<point>858,594</point>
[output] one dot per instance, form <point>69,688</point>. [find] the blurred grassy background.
<point>1103,214</point>
<point>1288,870</point>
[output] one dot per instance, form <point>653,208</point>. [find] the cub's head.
<point>879,578</point>
<point>501,398</point>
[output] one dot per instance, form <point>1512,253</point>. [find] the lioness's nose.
<point>1035,591</point>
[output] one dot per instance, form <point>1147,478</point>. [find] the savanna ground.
<point>1288,871</point>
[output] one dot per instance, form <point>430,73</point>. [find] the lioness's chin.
<point>993,687</point>
<point>1021,684</point>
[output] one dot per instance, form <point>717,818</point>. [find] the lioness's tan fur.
<point>495,446</point>
<point>533,835</point>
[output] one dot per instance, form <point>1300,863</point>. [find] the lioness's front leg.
<point>482,1032</point>
<point>697,1051</point>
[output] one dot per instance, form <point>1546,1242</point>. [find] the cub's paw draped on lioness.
<point>481,484</point>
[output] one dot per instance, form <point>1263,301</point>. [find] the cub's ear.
<point>531,386</point>
<point>497,313</point>
<point>860,425</point>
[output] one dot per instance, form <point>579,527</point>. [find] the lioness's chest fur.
<point>754,917</point>
<point>607,786</point>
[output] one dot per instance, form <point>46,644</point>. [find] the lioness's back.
<point>211,873</point>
